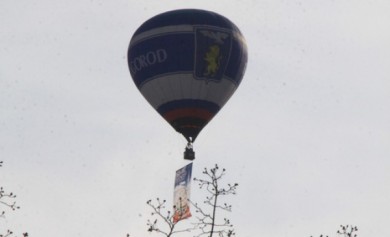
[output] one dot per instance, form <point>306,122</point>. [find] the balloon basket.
<point>189,153</point>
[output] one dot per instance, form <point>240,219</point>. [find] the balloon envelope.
<point>187,64</point>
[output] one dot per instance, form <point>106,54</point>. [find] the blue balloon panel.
<point>187,64</point>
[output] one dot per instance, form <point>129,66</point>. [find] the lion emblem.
<point>213,59</point>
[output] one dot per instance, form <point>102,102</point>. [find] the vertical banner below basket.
<point>182,193</point>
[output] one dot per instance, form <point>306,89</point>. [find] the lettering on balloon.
<point>148,59</point>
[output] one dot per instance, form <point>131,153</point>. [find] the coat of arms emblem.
<point>213,51</point>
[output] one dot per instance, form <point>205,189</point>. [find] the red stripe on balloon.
<point>188,113</point>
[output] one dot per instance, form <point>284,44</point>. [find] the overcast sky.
<point>306,135</point>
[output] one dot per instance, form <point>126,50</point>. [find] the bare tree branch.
<point>4,199</point>
<point>167,218</point>
<point>207,221</point>
<point>7,201</point>
<point>348,231</point>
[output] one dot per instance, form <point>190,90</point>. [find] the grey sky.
<point>307,133</point>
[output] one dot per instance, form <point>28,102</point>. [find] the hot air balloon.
<point>187,64</point>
